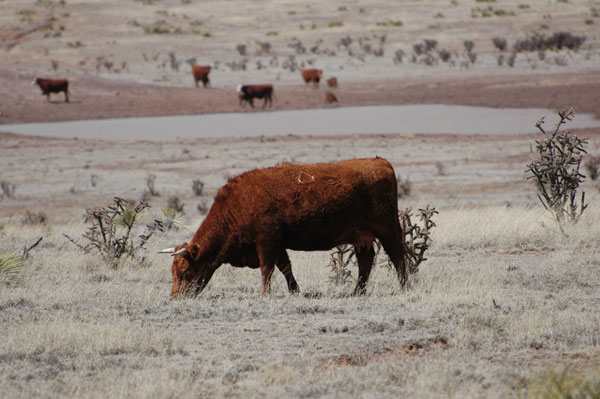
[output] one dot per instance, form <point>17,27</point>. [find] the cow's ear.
<point>193,250</point>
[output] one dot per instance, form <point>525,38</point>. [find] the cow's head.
<point>190,273</point>
<point>239,88</point>
<point>35,81</point>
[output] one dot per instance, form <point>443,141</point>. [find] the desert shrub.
<point>556,170</point>
<point>35,218</point>
<point>110,231</point>
<point>592,166</point>
<point>469,45</point>
<point>444,55</point>
<point>171,219</point>
<point>417,235</point>
<point>557,41</point>
<point>340,259</point>
<point>398,56</point>
<point>198,186</point>
<point>175,203</point>
<point>150,180</point>
<point>390,23</point>
<point>500,43</point>
<point>430,44</point>
<point>404,187</point>
<point>202,207</point>
<point>8,189</point>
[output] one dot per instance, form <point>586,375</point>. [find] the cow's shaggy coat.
<point>256,216</point>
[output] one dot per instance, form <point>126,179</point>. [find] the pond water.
<point>404,119</point>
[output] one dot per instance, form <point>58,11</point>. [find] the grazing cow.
<point>312,75</point>
<point>259,214</point>
<point>330,98</point>
<point>200,73</point>
<point>250,92</point>
<point>52,86</point>
<point>332,82</point>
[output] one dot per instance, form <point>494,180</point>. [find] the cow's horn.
<point>167,251</point>
<point>182,251</point>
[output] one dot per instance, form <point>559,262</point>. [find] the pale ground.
<point>73,326</point>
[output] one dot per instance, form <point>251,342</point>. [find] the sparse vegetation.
<point>567,382</point>
<point>390,24</point>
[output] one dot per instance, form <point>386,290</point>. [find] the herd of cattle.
<point>246,93</point>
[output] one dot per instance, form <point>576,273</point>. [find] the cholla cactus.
<point>556,171</point>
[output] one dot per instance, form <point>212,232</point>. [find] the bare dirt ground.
<point>503,299</point>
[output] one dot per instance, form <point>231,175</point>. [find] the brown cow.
<point>250,92</point>
<point>330,98</point>
<point>200,73</point>
<point>332,82</point>
<point>312,75</point>
<point>259,214</point>
<point>52,86</point>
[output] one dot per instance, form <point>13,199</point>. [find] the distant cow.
<point>200,73</point>
<point>330,98</point>
<point>260,214</point>
<point>250,92</point>
<point>312,76</point>
<point>332,82</point>
<point>52,86</point>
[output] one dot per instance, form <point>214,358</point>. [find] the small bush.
<point>175,204</point>
<point>202,207</point>
<point>592,165</point>
<point>171,219</point>
<point>197,187</point>
<point>33,219</point>
<point>340,258</point>
<point>111,228</point>
<point>418,235</point>
<point>500,43</point>
<point>8,189</point>
<point>150,180</point>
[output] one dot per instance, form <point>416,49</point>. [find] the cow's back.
<point>312,201</point>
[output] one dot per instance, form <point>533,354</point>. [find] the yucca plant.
<point>10,265</point>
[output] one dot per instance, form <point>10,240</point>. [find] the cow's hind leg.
<point>395,247</point>
<point>267,258</point>
<point>364,256</point>
<point>285,266</point>
<point>66,96</point>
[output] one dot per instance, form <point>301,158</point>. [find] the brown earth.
<point>97,98</point>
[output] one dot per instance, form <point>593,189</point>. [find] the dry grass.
<point>502,297</point>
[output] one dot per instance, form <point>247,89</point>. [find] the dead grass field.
<point>503,297</point>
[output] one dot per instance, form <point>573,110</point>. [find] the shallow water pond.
<point>404,119</point>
